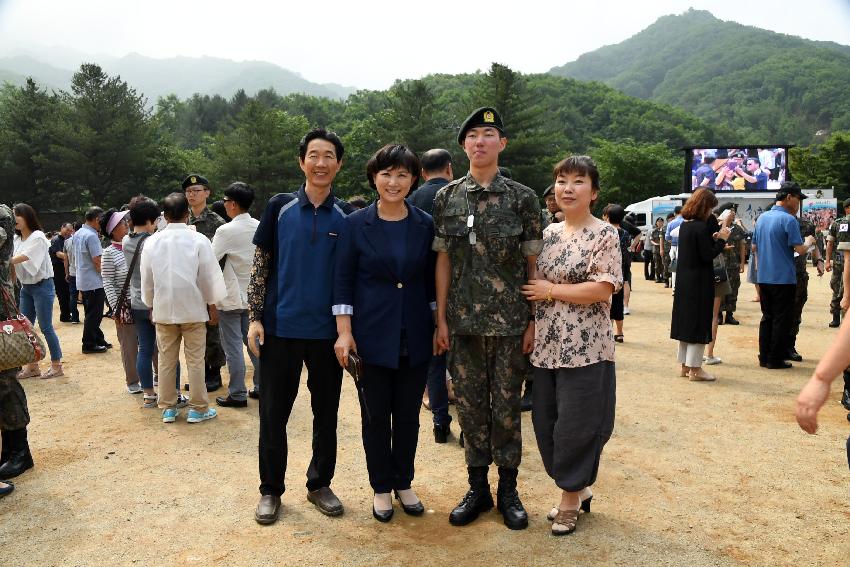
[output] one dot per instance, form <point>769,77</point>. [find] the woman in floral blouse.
<point>574,381</point>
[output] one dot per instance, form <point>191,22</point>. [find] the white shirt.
<point>180,275</point>
<point>37,248</point>
<point>235,240</point>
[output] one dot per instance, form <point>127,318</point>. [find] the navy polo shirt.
<point>302,240</point>
<point>776,234</point>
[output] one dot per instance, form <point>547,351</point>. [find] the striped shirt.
<point>113,270</point>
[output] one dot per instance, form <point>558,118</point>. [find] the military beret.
<point>548,191</point>
<point>485,116</point>
<point>195,179</point>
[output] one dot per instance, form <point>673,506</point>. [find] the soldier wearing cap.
<point>842,246</point>
<point>801,294</point>
<point>734,256</point>
<point>552,212</point>
<point>835,262</point>
<point>205,221</point>
<point>488,235</point>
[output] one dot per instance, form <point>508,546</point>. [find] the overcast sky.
<point>371,43</point>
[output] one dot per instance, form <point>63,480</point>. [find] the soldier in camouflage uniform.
<point>665,257</point>
<point>734,254</point>
<point>801,295</point>
<point>842,245</point>
<point>14,414</point>
<point>488,235</point>
<point>205,221</point>
<point>657,238</point>
<point>835,263</point>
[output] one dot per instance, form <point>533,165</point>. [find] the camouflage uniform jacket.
<point>206,223</point>
<point>487,270</point>
<point>807,228</point>
<point>839,231</point>
<point>733,255</point>
<point>7,243</point>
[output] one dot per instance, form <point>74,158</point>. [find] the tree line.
<point>101,143</point>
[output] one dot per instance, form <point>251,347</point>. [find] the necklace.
<point>383,216</point>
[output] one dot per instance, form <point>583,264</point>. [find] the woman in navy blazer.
<point>384,298</point>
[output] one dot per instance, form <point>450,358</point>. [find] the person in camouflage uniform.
<point>488,234</point>
<point>734,254</point>
<point>15,457</point>
<point>835,263</point>
<point>205,221</point>
<point>657,237</point>
<point>801,295</point>
<point>842,246</point>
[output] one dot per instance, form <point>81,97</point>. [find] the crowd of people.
<point>463,277</point>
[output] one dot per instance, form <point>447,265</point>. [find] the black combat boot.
<point>478,499</point>
<point>525,402</point>
<point>6,450</point>
<point>836,320</point>
<point>508,502</point>
<point>212,377</point>
<point>731,320</point>
<point>845,397</point>
<point>20,458</point>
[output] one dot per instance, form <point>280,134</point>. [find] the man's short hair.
<point>93,213</point>
<point>143,210</point>
<point>670,216</point>
<point>320,134</point>
<point>616,213</point>
<point>358,202</point>
<point>677,210</point>
<point>436,160</point>
<point>755,159</point>
<point>240,193</point>
<point>175,207</point>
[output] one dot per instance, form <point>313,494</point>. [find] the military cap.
<point>846,203</point>
<point>549,191</point>
<point>195,179</point>
<point>485,116</point>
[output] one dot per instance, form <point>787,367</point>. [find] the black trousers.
<point>280,366</point>
<point>391,428</point>
<point>93,302</point>
<point>573,417</point>
<point>62,292</point>
<point>777,311</point>
<point>801,295</point>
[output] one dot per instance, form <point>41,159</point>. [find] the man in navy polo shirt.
<point>289,307</point>
<point>776,238</point>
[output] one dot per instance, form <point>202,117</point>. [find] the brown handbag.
<point>19,343</point>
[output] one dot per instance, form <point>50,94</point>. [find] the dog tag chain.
<point>470,220</point>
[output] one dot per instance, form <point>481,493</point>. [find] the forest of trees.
<point>100,144</point>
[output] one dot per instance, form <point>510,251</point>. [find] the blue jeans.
<point>233,328</point>
<point>37,303</point>
<point>146,332</point>
<point>438,393</point>
<point>73,310</point>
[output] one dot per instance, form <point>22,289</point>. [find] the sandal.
<point>564,522</point>
<point>585,507</point>
<point>28,373</point>
<point>619,338</point>
<point>53,372</point>
<point>701,376</point>
<point>150,401</point>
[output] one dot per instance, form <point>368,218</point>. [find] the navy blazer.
<point>366,278</point>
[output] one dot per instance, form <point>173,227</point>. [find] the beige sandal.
<point>701,376</point>
<point>53,372</point>
<point>28,373</point>
<point>564,522</point>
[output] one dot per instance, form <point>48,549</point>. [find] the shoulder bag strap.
<point>123,296</point>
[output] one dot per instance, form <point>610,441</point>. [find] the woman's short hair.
<point>391,156</point>
<point>27,213</point>
<point>582,165</point>
<point>699,205</point>
<point>143,210</point>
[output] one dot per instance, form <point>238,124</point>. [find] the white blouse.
<point>38,266</point>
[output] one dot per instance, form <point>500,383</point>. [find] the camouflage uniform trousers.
<point>801,295</point>
<point>658,262</point>
<point>665,259</point>
<point>730,302</point>
<point>487,372</point>
<point>14,414</point>
<point>837,284</point>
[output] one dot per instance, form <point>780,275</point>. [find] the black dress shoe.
<point>19,462</point>
<point>441,433</point>
<point>96,349</point>
<point>383,515</point>
<point>795,356</point>
<point>228,402</point>
<point>475,501</point>
<point>512,510</point>
<point>781,365</point>
<point>268,509</point>
<point>254,393</point>
<point>106,345</point>
<point>326,501</point>
<point>9,488</point>
<point>413,509</point>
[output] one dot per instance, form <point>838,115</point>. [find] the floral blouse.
<point>568,335</point>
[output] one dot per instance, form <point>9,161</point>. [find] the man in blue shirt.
<point>87,254</point>
<point>289,307</point>
<point>673,238</point>
<point>776,238</point>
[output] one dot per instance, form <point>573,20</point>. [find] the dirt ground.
<point>695,474</point>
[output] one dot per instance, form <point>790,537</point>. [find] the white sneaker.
<point>626,311</point>
<point>711,360</point>
<point>134,388</point>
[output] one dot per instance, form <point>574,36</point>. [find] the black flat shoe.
<point>7,490</point>
<point>96,349</point>
<point>413,509</point>
<point>383,516</point>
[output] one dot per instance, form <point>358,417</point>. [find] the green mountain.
<point>183,76</point>
<point>768,87</point>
